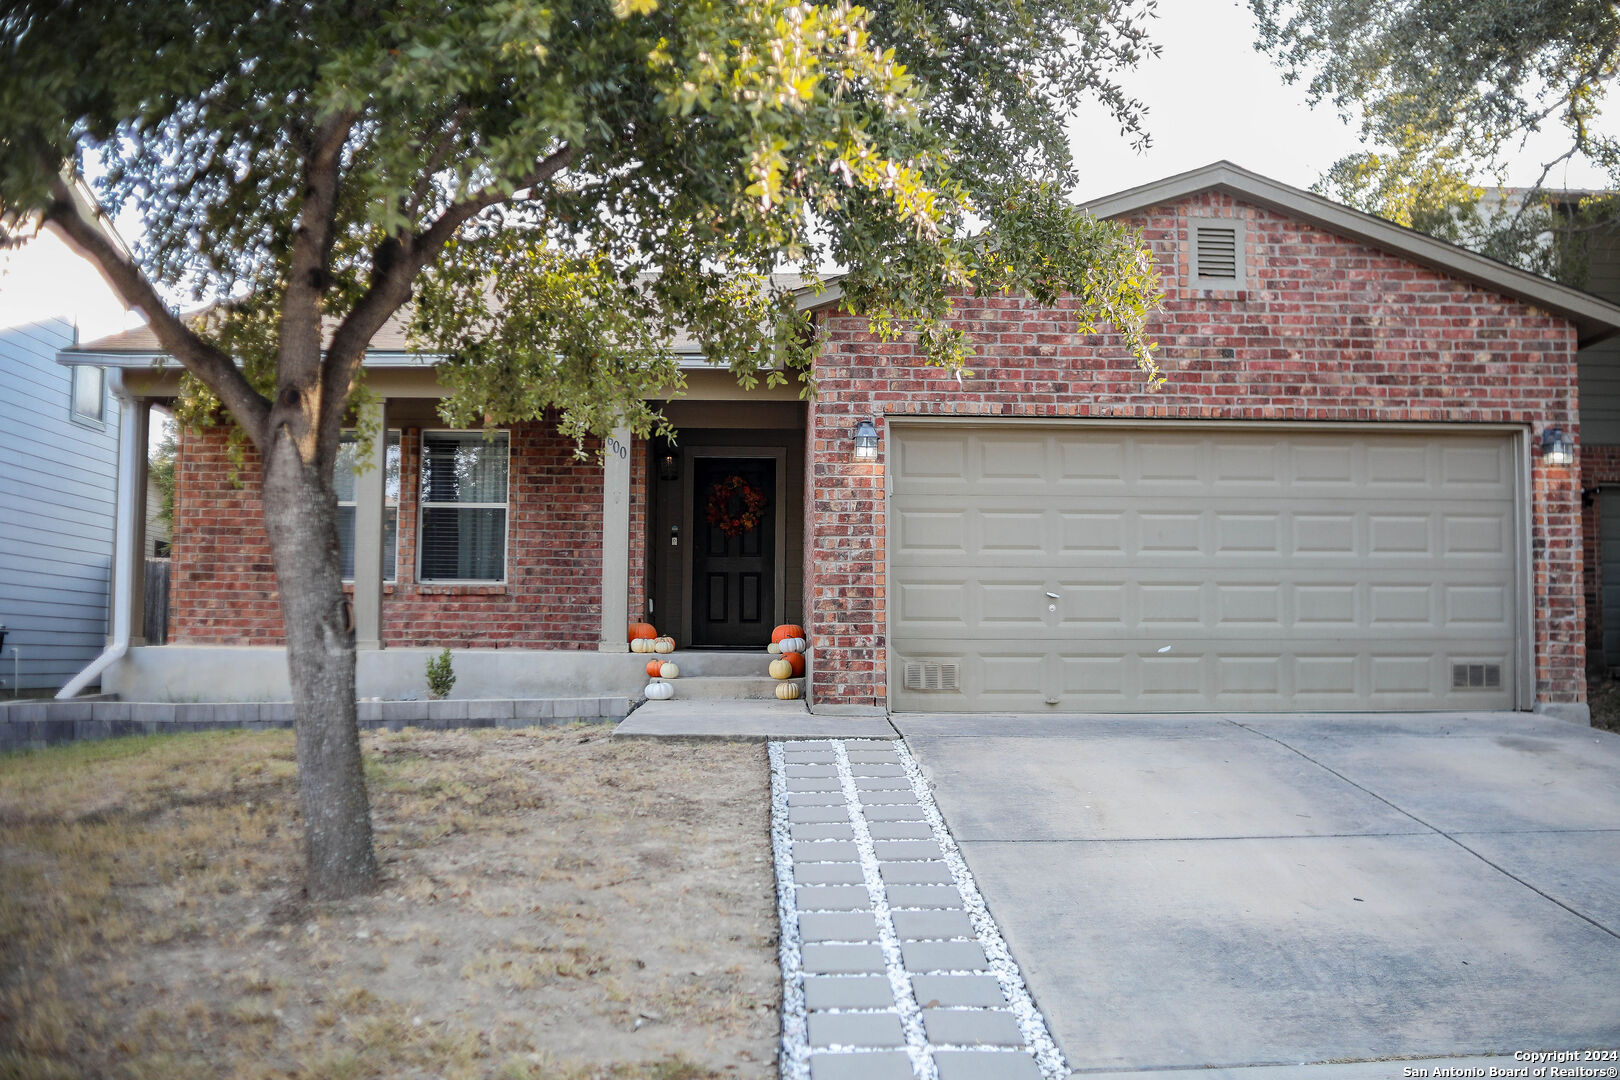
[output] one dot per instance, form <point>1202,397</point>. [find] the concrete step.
<point>693,662</point>
<point>745,720</point>
<point>726,688</point>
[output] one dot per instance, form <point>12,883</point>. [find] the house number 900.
<point>616,447</point>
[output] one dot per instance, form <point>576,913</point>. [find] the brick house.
<point>1356,490</point>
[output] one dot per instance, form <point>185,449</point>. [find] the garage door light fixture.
<point>1557,448</point>
<point>866,442</point>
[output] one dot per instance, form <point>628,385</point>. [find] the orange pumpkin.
<point>641,630</point>
<point>653,666</point>
<point>787,630</point>
<point>797,661</point>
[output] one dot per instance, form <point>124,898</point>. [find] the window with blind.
<point>343,480</point>
<point>463,489</point>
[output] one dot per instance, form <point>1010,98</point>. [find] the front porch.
<point>522,559</point>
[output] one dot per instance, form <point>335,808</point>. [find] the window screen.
<point>463,485</point>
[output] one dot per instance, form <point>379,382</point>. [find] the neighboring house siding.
<point>1600,468</point>
<point>1599,367</point>
<point>223,580</point>
<point>1600,393</point>
<point>58,489</point>
<point>1328,330</point>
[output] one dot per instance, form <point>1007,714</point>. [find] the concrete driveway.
<point>1226,892</point>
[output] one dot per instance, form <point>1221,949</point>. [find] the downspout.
<point>124,533</point>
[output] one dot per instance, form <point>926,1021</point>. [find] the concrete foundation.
<point>32,725</point>
<point>223,673</point>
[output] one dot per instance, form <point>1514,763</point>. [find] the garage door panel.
<point>1326,463</point>
<point>1248,463</point>
<point>1476,534</point>
<point>1199,570</point>
<point>1325,534</point>
<point>1091,533</point>
<point>1251,606</point>
<point>1099,466</point>
<point>1009,606</point>
<point>1012,532</point>
<point>936,533</point>
<point>1012,459</point>
<point>1242,676</point>
<point>1161,461</point>
<point>998,528</point>
<point>1006,602</point>
<point>1404,465</point>
<point>1247,533</point>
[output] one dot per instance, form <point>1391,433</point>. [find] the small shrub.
<point>440,676</point>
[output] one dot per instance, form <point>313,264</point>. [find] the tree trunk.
<point>300,516</point>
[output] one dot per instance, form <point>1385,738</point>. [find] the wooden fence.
<point>155,619</point>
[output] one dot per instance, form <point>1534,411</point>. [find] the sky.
<point>1253,119</point>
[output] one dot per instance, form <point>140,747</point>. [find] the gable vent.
<point>928,675</point>
<point>1476,676</point>
<point>1215,249</point>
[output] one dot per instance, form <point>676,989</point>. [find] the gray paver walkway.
<point>891,964</point>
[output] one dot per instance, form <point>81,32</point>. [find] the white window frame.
<point>422,505</point>
<point>398,435</point>
<point>80,371</point>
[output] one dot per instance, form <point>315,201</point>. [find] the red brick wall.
<point>1599,465</point>
<point>223,587</point>
<point>1328,330</point>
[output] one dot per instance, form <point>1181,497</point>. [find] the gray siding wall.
<point>1599,365</point>
<point>58,491</point>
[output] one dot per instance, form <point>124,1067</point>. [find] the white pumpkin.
<point>659,691</point>
<point>791,644</point>
<point>788,691</point>
<point>669,671</point>
<point>773,648</point>
<point>641,645</point>
<point>664,645</point>
<point>781,669</point>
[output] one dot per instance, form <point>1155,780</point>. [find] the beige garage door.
<point>1092,569</point>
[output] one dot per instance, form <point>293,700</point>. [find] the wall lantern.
<point>1557,448</point>
<point>669,465</point>
<point>866,442</point>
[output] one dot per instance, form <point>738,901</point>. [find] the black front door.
<point>734,556</point>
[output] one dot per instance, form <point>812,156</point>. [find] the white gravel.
<point>795,1059</point>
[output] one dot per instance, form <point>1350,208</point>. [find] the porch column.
<point>129,575</point>
<point>369,496</point>
<point>615,541</point>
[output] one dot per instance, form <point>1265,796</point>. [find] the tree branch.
<point>395,264</point>
<point>308,274</point>
<point>75,218</point>
<point>441,150</point>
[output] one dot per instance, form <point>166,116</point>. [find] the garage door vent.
<point>1476,676</point>
<point>930,675</point>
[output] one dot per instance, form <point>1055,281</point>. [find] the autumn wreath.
<point>735,506</point>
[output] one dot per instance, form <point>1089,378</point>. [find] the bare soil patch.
<point>1603,697</point>
<point>556,904</point>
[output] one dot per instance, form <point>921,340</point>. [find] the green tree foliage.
<point>1446,91</point>
<point>160,470</point>
<point>555,189</point>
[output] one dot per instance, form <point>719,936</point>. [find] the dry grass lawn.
<point>556,904</point>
